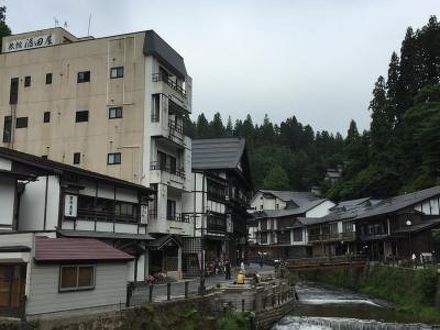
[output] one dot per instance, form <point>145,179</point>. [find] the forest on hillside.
<point>399,153</point>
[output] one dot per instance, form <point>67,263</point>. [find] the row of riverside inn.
<point>99,184</point>
<point>290,225</point>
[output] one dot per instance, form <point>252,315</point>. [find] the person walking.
<point>227,269</point>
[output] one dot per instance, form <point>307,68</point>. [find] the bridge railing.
<point>356,258</point>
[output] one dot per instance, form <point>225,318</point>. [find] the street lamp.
<point>409,224</point>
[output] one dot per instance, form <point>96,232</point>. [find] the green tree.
<point>4,28</point>
<point>217,129</point>
<point>276,179</point>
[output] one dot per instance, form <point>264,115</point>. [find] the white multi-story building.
<point>276,228</point>
<point>114,105</point>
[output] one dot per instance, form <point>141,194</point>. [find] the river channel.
<point>324,308</point>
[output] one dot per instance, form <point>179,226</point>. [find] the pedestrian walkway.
<point>178,288</point>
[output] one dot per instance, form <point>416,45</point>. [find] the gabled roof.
<point>298,197</point>
<point>400,202</point>
<point>224,153</point>
<point>51,166</point>
<point>290,211</point>
<point>344,210</point>
<point>165,240</point>
<point>76,249</point>
<point>351,203</point>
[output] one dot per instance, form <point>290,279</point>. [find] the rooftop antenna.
<point>56,21</point>
<point>88,28</point>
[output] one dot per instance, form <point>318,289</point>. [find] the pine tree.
<point>395,109</point>
<point>4,28</point>
<point>203,129</point>
<point>229,128</point>
<point>217,130</point>
<point>380,119</point>
<point>409,77</point>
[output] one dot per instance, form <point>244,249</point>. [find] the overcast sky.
<point>317,60</point>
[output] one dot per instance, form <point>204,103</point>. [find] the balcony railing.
<point>179,217</point>
<point>176,132</point>
<point>347,236</point>
<point>105,216</point>
<point>170,82</point>
<point>156,165</point>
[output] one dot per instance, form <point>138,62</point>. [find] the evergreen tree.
<point>380,119</point>
<point>394,111</point>
<point>4,28</point>
<point>203,129</point>
<point>217,130</point>
<point>229,128</point>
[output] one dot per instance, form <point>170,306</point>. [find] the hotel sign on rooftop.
<point>30,42</point>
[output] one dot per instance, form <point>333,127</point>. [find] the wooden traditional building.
<point>399,226</point>
<point>218,202</point>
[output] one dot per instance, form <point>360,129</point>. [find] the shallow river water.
<point>325,308</point>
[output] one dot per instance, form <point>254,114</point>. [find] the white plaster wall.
<point>33,201</point>
<point>5,164</point>
<point>53,203</point>
<point>7,198</point>
<point>320,210</point>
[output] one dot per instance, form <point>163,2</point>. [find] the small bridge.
<point>326,263</point>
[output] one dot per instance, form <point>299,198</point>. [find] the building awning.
<point>99,234</point>
<point>164,241</point>
<point>76,249</point>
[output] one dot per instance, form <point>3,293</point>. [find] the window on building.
<point>171,209</point>
<point>7,129</point>
<point>46,117</point>
<point>77,277</point>
<point>126,211</point>
<point>297,234</point>
<point>172,164</point>
<point>82,116</point>
<point>261,206</point>
<point>277,206</point>
<point>77,158</point>
<point>161,161</point>
<point>21,122</point>
<point>83,76</point>
<point>13,95</point>
<point>263,238</point>
<point>44,156</point>
<point>347,227</point>
<point>117,72</point>
<point>27,81</point>
<point>114,158</point>
<point>48,78</point>
<point>115,112</point>
<point>155,108</point>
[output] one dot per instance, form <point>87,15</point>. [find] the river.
<point>322,307</point>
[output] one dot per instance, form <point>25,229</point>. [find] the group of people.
<point>220,265</point>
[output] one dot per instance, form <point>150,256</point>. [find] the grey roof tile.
<point>222,153</point>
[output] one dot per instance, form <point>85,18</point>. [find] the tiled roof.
<point>57,167</point>
<point>290,211</point>
<point>400,202</point>
<point>298,197</point>
<point>76,249</point>
<point>222,153</point>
